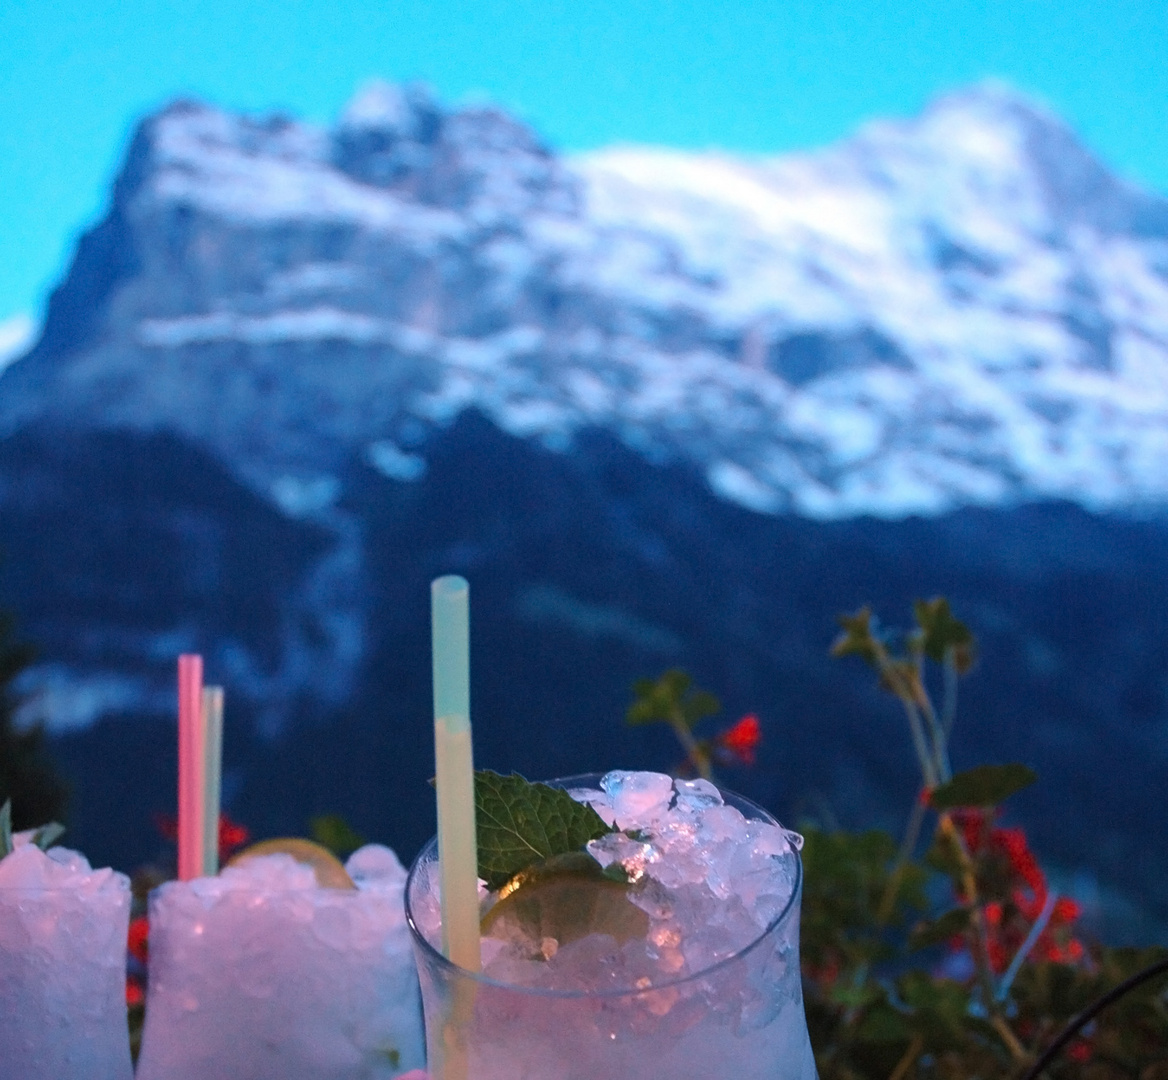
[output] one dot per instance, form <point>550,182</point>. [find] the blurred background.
<point>679,329</point>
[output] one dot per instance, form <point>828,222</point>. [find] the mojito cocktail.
<point>62,967</point>
<point>672,953</point>
<point>261,973</point>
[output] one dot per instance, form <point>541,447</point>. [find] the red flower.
<point>167,826</point>
<point>139,938</point>
<point>1009,923</point>
<point>231,836</point>
<point>135,995</point>
<point>1065,912</point>
<point>742,739</point>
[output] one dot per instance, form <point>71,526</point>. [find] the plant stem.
<point>908,699</point>
<point>981,951</point>
<point>949,705</point>
<point>940,747</point>
<point>907,1059</point>
<point>696,754</point>
<point>1017,1050</point>
<point>912,833</point>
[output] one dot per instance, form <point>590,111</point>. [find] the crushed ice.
<point>711,880</point>
<point>27,867</point>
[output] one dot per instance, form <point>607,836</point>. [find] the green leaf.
<point>942,634</point>
<point>700,704</point>
<point>883,1024</point>
<point>857,639</point>
<point>670,699</point>
<point>47,835</point>
<point>940,930</point>
<point>985,785</point>
<point>854,997</point>
<point>520,823</point>
<point>5,828</point>
<point>335,833</point>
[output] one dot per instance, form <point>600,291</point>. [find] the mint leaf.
<point>520,823</point>
<point>47,835</point>
<point>985,785</point>
<point>5,828</point>
<point>44,837</point>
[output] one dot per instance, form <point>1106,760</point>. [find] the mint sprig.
<point>44,837</point>
<point>521,823</point>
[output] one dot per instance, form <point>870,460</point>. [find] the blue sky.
<point>759,77</point>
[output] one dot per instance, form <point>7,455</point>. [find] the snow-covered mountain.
<point>963,308</point>
<point>296,373</point>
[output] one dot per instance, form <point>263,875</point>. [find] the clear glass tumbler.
<point>63,982</point>
<point>279,983</point>
<point>741,1017</point>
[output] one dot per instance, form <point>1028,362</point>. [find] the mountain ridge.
<point>661,410</point>
<point>964,308</point>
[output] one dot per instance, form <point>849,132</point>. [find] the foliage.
<point>335,833</point>
<point>44,837</point>
<point>520,823</point>
<point>902,985</point>
<point>672,699</point>
<point>27,777</point>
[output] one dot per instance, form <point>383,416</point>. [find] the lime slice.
<point>559,900</point>
<point>330,873</point>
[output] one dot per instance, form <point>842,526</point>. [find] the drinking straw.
<point>212,774</point>
<point>191,767</point>
<point>454,774</point>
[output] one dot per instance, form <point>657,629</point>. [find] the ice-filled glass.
<point>689,971</point>
<point>62,967</point>
<point>262,974</point>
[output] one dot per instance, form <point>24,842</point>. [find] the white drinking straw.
<point>454,774</point>
<point>191,767</point>
<point>212,774</point>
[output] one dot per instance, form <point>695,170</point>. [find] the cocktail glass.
<point>740,1017</point>
<point>261,974</point>
<point>63,971</point>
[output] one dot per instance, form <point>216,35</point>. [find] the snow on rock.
<point>961,308</point>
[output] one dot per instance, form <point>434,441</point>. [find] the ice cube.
<point>275,873</point>
<point>598,800</point>
<point>638,798</point>
<point>376,867</point>
<point>70,859</point>
<point>633,855</point>
<point>767,839</point>
<point>27,867</point>
<point>721,823</point>
<point>696,795</point>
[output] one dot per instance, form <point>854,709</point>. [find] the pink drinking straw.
<point>192,809</point>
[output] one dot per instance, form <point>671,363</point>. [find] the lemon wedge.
<point>329,871</point>
<point>559,900</point>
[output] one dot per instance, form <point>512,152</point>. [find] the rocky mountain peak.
<point>963,307</point>
<point>399,139</point>
<point>1007,145</point>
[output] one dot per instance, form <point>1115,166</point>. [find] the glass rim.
<point>435,955</point>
